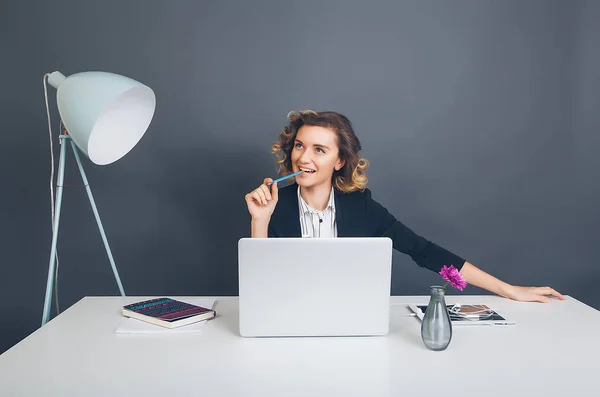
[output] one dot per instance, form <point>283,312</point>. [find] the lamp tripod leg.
<point>98,221</point>
<point>52,264</point>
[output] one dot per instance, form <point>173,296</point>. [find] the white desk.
<point>552,351</point>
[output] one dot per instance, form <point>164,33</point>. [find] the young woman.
<point>330,199</point>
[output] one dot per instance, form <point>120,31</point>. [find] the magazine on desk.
<point>468,315</point>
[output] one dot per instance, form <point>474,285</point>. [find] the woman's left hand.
<point>532,294</point>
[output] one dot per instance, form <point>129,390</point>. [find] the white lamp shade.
<point>105,114</point>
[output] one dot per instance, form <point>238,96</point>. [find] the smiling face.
<point>315,152</point>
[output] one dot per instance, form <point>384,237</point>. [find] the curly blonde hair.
<point>352,176</point>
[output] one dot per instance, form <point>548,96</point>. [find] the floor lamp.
<point>105,115</point>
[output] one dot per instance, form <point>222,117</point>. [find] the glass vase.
<point>436,328</point>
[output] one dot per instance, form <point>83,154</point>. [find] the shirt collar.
<point>307,208</point>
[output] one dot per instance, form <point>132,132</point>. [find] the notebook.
<point>167,312</point>
<point>129,325</point>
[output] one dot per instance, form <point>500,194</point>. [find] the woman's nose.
<point>305,157</point>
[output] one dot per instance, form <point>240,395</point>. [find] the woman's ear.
<point>339,164</point>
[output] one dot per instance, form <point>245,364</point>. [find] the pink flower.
<point>453,276</point>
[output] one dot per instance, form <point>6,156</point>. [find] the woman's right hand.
<point>262,200</point>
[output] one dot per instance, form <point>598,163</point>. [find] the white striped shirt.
<point>315,223</point>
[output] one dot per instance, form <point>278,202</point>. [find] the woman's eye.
<point>298,145</point>
<point>320,150</point>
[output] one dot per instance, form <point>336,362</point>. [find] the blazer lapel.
<point>290,215</point>
<point>341,217</point>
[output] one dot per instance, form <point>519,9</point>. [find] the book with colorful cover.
<point>168,312</point>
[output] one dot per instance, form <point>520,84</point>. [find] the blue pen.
<point>283,178</point>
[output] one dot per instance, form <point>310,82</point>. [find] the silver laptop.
<point>314,286</point>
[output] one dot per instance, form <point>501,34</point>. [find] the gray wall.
<point>479,118</point>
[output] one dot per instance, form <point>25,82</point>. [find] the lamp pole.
<point>59,190</point>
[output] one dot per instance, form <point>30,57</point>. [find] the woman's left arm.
<point>477,277</point>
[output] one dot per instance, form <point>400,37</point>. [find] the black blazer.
<point>358,215</point>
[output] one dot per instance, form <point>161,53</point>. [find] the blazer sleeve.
<point>271,231</point>
<point>424,252</point>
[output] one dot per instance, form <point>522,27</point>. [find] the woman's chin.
<point>304,182</point>
<point>309,182</point>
